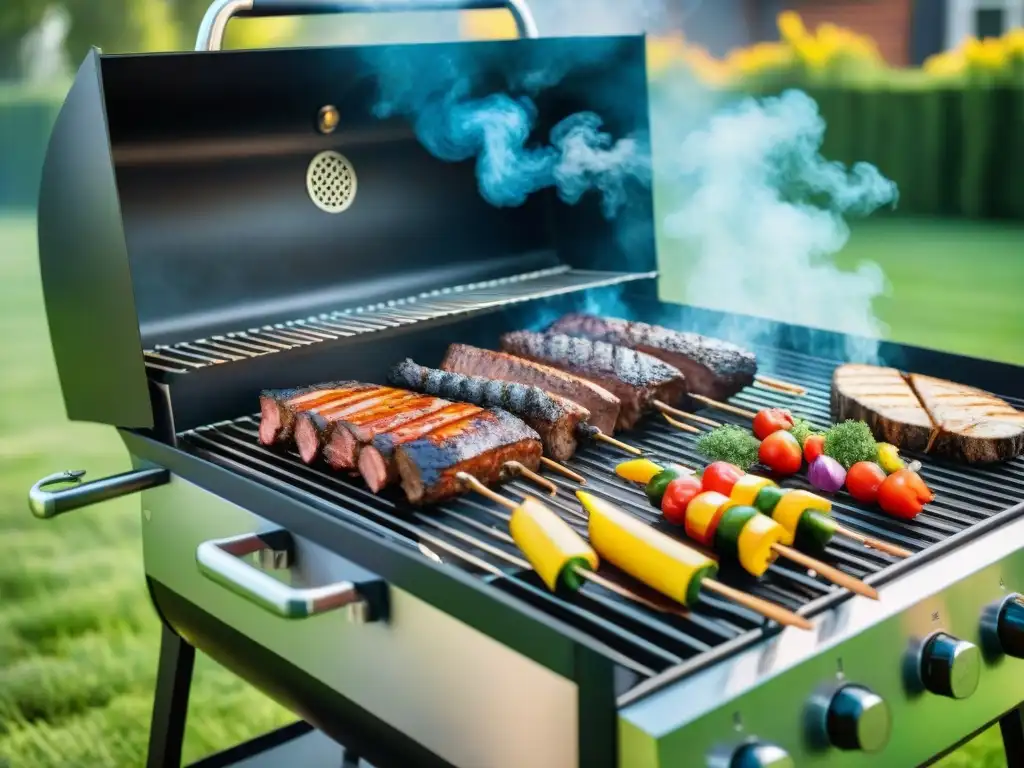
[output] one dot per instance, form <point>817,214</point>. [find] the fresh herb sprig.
<point>850,442</point>
<point>732,444</point>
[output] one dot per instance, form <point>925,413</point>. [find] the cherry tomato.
<point>720,477</point>
<point>678,495</point>
<point>814,446</point>
<point>771,420</point>
<point>781,453</point>
<point>903,494</point>
<point>863,481</point>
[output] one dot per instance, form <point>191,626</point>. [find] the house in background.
<point>906,31</point>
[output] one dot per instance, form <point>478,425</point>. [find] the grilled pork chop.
<point>554,418</point>
<point>479,445</point>
<point>473,361</point>
<point>635,378</point>
<point>279,407</point>
<point>713,368</point>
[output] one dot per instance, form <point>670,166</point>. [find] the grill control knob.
<point>858,718</point>
<point>949,666</point>
<point>1010,626</point>
<point>761,755</point>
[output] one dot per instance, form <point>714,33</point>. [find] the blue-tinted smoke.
<point>498,130</point>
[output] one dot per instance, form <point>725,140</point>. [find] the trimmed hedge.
<point>952,151</point>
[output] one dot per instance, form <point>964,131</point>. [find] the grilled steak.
<point>635,378</point>
<point>377,459</point>
<point>473,361</point>
<point>554,418</point>
<point>713,368</point>
<point>882,399</point>
<point>278,407</point>
<point>314,427</point>
<point>974,426</point>
<point>926,414</point>
<point>479,445</point>
<point>350,434</point>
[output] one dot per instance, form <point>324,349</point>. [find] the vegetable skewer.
<point>724,517</point>
<point>804,515</point>
<point>664,563</point>
<point>560,556</point>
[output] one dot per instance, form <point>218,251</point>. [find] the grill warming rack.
<point>472,533</point>
<point>454,302</point>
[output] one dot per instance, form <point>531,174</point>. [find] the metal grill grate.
<point>435,305</point>
<point>648,640</point>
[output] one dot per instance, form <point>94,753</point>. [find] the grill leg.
<point>1011,725</point>
<point>170,703</point>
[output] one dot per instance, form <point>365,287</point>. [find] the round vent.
<point>331,182</point>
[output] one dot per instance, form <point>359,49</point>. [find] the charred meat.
<point>635,378</point>
<point>376,460</point>
<point>279,407</point>
<point>713,368</point>
<point>473,361</point>
<point>313,429</point>
<point>479,445</point>
<point>554,418</point>
<point>350,434</point>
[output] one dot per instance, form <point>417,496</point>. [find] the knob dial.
<point>1010,627</point>
<point>858,718</point>
<point>950,666</point>
<point>761,755</point>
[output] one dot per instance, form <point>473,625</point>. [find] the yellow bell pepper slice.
<point>791,506</point>
<point>638,470</point>
<point>746,489</point>
<point>553,548</point>
<point>702,516</point>
<point>755,544</point>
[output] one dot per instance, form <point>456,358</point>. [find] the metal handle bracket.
<point>218,560</point>
<point>220,12</point>
<point>51,503</point>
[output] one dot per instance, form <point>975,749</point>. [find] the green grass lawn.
<point>78,638</point>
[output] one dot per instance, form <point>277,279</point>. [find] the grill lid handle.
<point>218,560</point>
<point>50,503</point>
<point>220,12</point>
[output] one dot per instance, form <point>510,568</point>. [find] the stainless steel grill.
<point>430,306</point>
<point>471,533</point>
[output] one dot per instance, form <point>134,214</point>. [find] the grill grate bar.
<point>430,306</point>
<point>471,533</point>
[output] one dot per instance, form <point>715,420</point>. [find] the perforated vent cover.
<point>331,182</point>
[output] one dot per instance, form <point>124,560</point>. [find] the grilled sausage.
<point>633,377</point>
<point>479,445</point>
<point>377,459</point>
<point>554,418</point>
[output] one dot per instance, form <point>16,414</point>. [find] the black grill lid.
<point>177,197</point>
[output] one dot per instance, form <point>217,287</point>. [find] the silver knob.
<point>858,718</point>
<point>761,755</point>
<point>1010,626</point>
<point>950,666</point>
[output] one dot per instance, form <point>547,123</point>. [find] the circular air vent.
<point>331,182</point>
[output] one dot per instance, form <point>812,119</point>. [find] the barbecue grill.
<point>215,223</point>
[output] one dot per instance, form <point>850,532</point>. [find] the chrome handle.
<point>219,561</point>
<point>48,503</point>
<point>220,12</point>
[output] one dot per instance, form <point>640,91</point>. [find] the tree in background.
<point>17,19</point>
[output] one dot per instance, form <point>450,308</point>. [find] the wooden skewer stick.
<point>583,573</point>
<point>597,434</point>
<point>779,384</point>
<point>873,543</point>
<point>724,407</point>
<point>680,425</point>
<point>668,409</point>
<point>516,468</point>
<point>776,613</point>
<point>564,471</point>
<point>832,574</point>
